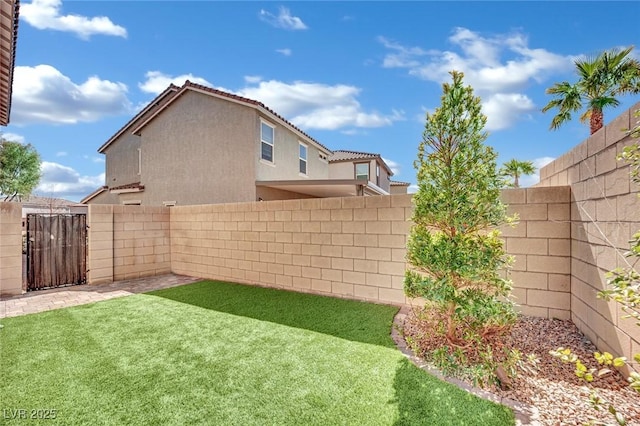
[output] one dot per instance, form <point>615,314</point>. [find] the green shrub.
<point>454,251</point>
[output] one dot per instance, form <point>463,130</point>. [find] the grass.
<point>219,353</point>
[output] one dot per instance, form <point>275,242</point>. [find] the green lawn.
<point>219,353</point>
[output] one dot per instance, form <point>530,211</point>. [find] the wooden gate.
<point>56,250</point>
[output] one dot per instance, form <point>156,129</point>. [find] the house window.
<point>266,142</point>
<point>362,171</point>
<point>303,158</point>
<point>377,174</point>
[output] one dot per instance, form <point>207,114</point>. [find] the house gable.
<point>201,150</point>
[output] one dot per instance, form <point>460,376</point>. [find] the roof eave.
<point>9,62</point>
<point>93,195</point>
<point>169,90</point>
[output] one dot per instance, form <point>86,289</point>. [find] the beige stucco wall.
<point>200,150</point>
<point>397,189</point>
<point>10,249</point>
<point>121,161</point>
<point>286,157</point>
<point>346,170</point>
<point>605,213</point>
<point>105,197</point>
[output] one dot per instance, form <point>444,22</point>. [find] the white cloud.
<point>42,94</point>
<point>45,15</point>
<point>401,56</point>
<point>157,81</point>
<point>395,167</point>
<point>285,52</point>
<point>283,20</point>
<point>14,137</point>
<point>251,79</point>
<point>498,68</point>
<point>317,105</point>
<point>64,182</point>
<point>61,154</point>
<point>412,189</point>
<point>538,163</point>
<point>504,109</point>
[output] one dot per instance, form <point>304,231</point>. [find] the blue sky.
<point>354,75</point>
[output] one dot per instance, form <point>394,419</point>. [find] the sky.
<point>354,75</point>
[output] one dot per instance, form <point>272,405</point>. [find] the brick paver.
<point>63,297</point>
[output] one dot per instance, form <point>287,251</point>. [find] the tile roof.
<point>135,185</point>
<point>155,103</point>
<point>398,183</point>
<point>9,12</point>
<point>188,85</point>
<point>343,155</point>
<point>46,201</point>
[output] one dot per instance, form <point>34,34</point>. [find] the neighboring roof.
<point>323,188</point>
<point>129,187</point>
<point>231,97</point>
<point>398,183</point>
<point>343,155</point>
<point>171,90</point>
<point>36,200</point>
<point>9,11</point>
<point>94,194</point>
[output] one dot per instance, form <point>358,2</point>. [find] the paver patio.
<point>46,300</point>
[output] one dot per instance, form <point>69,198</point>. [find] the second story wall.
<point>347,170</point>
<point>200,150</point>
<point>122,161</point>
<point>286,156</point>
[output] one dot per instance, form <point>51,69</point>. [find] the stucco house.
<point>198,145</point>
<point>9,10</point>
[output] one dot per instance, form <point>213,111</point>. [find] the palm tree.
<point>601,79</point>
<point>515,168</point>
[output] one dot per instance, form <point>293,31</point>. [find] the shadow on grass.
<point>429,401</point>
<point>347,319</point>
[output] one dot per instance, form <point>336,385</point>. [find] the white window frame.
<point>377,173</point>
<point>272,143</point>
<point>305,159</point>
<point>355,170</point>
<point>139,161</point>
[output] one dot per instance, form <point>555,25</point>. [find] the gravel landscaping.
<point>559,396</point>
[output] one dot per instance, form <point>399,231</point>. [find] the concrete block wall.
<point>10,249</point>
<point>605,213</point>
<point>141,241</point>
<point>541,245</point>
<point>100,243</point>
<point>127,242</point>
<point>347,247</point>
<point>355,247</point>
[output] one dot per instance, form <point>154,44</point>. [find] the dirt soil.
<point>560,397</point>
